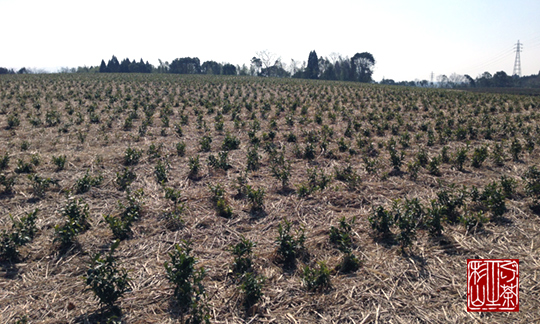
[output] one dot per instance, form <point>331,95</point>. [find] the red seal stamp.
<point>493,285</point>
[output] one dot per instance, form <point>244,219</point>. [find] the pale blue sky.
<point>409,39</point>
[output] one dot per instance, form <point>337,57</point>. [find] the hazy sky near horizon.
<point>409,39</point>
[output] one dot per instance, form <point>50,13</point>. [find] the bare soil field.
<point>363,203</point>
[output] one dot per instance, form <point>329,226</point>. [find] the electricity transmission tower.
<point>517,64</point>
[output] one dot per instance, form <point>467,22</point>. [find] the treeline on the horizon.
<point>486,80</point>
<point>358,68</point>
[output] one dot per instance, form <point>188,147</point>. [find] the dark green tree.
<point>103,67</point>
<point>362,67</point>
<point>229,69</point>
<point>113,65</point>
<point>211,67</point>
<point>312,69</point>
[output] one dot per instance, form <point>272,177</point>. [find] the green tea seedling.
<point>105,279</point>
<point>77,215</point>
<point>479,156</point>
<point>348,175</point>
<point>433,166</point>
<point>494,200</point>
<point>230,142</point>
<point>408,215</point>
<point>160,171</point>
<point>461,157</point>
<point>205,143</point>
<point>154,151</point>
<point>281,169</point>
<point>434,217</point>
<point>221,162</point>
<point>243,252</point>
<point>256,198</point>
<point>450,200</point>
<point>194,167</point>
<point>252,288</point>
<point>59,161</point>
<point>4,161</point>
<point>515,149</point>
<point>381,220</point>
<point>132,156</point>
<point>189,291</point>
<point>125,178</point>
<point>23,232</point>
<point>474,221</point>
<point>316,279</point>
<point>7,182</point>
<point>289,247</point>
<point>181,148</point>
<point>341,235</point>
<point>13,121</point>
<point>24,167</point>
<point>120,228</point>
<point>498,154</point>
<point>40,185</point>
<point>86,182</point>
<point>253,158</point>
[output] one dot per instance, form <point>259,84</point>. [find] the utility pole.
<point>517,64</point>
<point>432,78</point>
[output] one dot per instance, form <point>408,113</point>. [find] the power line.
<point>517,62</point>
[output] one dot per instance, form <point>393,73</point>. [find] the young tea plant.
<point>316,279</point>
<point>288,246</point>
<point>132,156</point>
<point>77,213</point>
<point>252,288</point>
<point>86,182</point>
<point>256,198</point>
<point>22,232</point>
<point>105,279</point>
<point>189,291</point>
<point>59,161</point>
<point>243,253</point>
<point>125,178</point>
